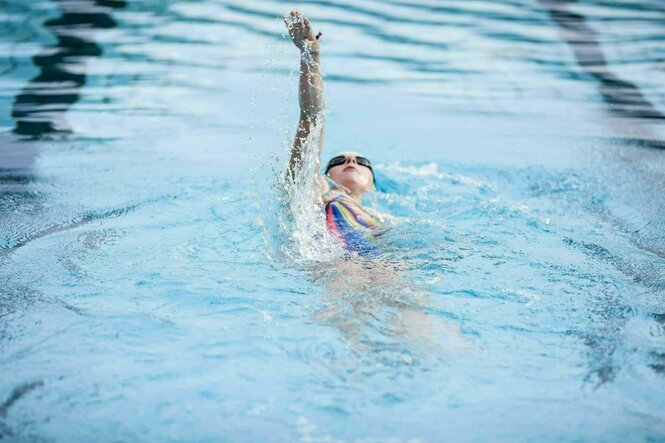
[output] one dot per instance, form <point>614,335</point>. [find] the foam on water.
<point>297,224</point>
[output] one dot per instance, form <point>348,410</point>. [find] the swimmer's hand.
<point>301,33</point>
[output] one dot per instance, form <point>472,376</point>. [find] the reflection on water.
<point>40,110</point>
<point>622,97</point>
<point>513,142</point>
<point>40,107</point>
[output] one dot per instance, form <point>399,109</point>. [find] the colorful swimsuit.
<point>350,222</point>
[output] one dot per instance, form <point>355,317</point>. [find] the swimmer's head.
<point>351,170</point>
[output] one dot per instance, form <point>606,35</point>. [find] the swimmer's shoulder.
<point>333,191</point>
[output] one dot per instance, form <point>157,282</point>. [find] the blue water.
<point>150,290</point>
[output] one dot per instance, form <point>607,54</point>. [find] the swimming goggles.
<point>341,159</point>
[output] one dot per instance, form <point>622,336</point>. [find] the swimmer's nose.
<point>350,160</point>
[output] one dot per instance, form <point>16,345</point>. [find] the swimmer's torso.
<point>350,222</point>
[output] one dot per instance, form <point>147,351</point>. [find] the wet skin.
<point>354,177</point>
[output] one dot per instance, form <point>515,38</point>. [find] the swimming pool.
<point>149,292</point>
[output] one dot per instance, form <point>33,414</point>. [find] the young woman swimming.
<point>364,288</point>
<point>348,175</point>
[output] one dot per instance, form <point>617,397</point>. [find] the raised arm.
<point>310,93</point>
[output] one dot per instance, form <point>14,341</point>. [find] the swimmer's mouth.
<point>349,167</point>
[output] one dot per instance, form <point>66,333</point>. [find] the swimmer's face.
<point>356,178</point>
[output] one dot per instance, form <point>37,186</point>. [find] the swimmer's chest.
<point>341,208</point>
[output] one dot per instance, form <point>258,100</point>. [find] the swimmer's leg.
<point>432,331</point>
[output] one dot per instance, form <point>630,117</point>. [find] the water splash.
<point>294,223</point>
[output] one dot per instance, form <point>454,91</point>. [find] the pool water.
<point>153,287</point>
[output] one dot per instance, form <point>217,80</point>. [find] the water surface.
<point>519,152</point>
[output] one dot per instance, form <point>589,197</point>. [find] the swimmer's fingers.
<point>290,23</point>
<point>295,27</point>
<point>300,31</point>
<point>307,29</point>
<point>290,28</point>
